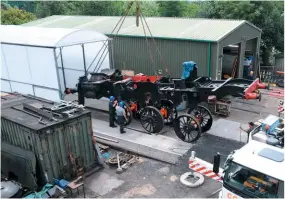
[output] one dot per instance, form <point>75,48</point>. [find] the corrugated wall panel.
<point>133,54</point>
<point>53,145</point>
<point>16,135</point>
<point>214,60</point>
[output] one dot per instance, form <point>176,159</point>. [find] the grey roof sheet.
<point>166,27</point>
<point>19,116</point>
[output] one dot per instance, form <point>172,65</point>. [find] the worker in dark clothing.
<point>121,116</point>
<point>112,111</point>
<point>249,129</point>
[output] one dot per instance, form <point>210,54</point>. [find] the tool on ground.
<point>119,169</point>
<point>130,162</point>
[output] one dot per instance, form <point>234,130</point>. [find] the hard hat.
<point>121,104</point>
<point>266,127</point>
<point>112,98</point>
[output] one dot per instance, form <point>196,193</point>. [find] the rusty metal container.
<point>61,147</point>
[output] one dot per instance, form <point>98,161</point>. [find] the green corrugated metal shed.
<point>178,40</point>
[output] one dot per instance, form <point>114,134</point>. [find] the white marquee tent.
<point>44,61</point>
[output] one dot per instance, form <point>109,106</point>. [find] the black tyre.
<point>203,115</point>
<point>151,119</point>
<point>187,128</point>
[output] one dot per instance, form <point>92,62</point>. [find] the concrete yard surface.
<point>154,179</point>
<point>102,183</point>
<point>229,130</point>
<point>158,147</point>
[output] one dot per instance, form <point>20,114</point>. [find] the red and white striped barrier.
<point>277,93</point>
<point>197,165</point>
<point>280,109</point>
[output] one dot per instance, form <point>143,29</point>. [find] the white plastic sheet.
<point>47,93</point>
<point>42,67</point>
<point>16,58</point>
<point>22,88</point>
<point>5,86</point>
<point>31,61</point>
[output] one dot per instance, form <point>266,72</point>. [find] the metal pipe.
<point>209,59</point>
<point>60,93</point>
<point>84,61</point>
<point>87,42</point>
<point>29,45</point>
<point>107,139</point>
<point>54,89</point>
<point>73,69</point>
<point>38,46</point>
<point>62,67</point>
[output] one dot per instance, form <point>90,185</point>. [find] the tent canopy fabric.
<point>48,37</point>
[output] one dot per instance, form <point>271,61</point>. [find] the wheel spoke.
<point>151,120</point>
<point>205,117</point>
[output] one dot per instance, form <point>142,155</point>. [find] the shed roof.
<point>48,37</point>
<point>164,27</point>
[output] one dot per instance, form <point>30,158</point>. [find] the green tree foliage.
<point>178,8</point>
<point>148,8</point>
<point>266,15</point>
<point>101,8</point>
<point>5,6</point>
<point>23,5</point>
<point>48,8</point>
<point>172,8</point>
<point>15,16</point>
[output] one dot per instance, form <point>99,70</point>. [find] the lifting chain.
<point>137,13</point>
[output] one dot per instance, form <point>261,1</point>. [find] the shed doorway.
<point>230,62</point>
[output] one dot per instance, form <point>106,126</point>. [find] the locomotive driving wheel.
<point>129,115</point>
<point>167,110</point>
<point>203,116</point>
<point>187,128</point>
<point>151,119</point>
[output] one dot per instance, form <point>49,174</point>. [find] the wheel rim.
<point>187,128</point>
<point>151,120</point>
<point>204,116</point>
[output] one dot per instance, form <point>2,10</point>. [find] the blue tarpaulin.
<point>188,68</point>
